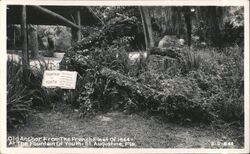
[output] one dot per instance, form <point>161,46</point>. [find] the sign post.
<point>62,79</point>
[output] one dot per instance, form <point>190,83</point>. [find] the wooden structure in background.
<point>71,16</point>
<point>25,55</point>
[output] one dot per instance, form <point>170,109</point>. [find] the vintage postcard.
<point>124,76</point>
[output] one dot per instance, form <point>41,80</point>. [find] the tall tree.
<point>187,16</point>
<point>147,27</point>
<point>213,23</point>
<point>211,18</point>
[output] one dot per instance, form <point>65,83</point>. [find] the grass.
<point>143,130</point>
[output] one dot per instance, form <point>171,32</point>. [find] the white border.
<point>130,2</point>
<point>3,3</point>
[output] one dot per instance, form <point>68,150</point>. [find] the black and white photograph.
<point>117,76</point>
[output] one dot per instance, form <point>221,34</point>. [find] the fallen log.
<point>140,90</point>
<point>172,104</point>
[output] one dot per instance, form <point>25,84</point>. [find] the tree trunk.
<point>78,15</point>
<point>33,42</point>
<point>213,23</point>
<point>187,16</point>
<point>210,22</point>
<point>147,27</point>
<point>76,33</point>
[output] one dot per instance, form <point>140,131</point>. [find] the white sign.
<point>62,79</point>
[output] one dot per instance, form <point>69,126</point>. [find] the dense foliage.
<point>210,79</point>
<point>26,94</point>
<point>207,77</point>
<point>19,98</point>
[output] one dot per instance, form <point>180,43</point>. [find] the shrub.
<point>210,79</point>
<point>221,77</point>
<point>232,82</point>
<point>93,92</point>
<point>113,57</point>
<point>215,86</point>
<point>233,30</point>
<point>19,97</point>
<point>26,94</point>
<point>189,61</point>
<point>193,107</point>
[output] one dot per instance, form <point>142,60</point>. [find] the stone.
<point>104,118</point>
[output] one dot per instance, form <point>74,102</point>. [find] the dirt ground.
<point>142,130</point>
